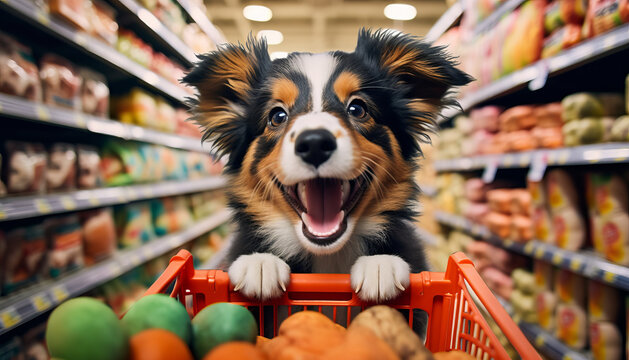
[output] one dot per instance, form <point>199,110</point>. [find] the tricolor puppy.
<point>322,150</point>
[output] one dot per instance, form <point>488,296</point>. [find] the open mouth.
<point>324,205</point>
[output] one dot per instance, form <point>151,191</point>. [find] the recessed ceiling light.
<point>257,13</point>
<point>400,11</point>
<point>278,55</point>
<point>273,37</point>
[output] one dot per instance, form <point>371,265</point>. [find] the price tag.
<point>540,340</point>
<point>60,294</point>
<point>68,203</point>
<point>575,264</point>
<point>525,160</point>
<point>79,120</point>
<point>148,252</point>
<point>135,260</point>
<point>42,113</point>
<point>9,318</point>
<point>567,357</point>
<point>542,76</point>
<point>174,242</point>
<point>42,206</point>
<point>609,277</point>
<point>2,214</point>
<point>41,303</point>
<point>42,17</point>
<point>132,194</point>
<point>80,39</point>
<point>490,171</point>
<point>563,157</point>
<point>538,167</point>
<point>94,201</point>
<point>115,269</point>
<point>557,258</point>
<point>507,160</point>
<point>539,253</point>
<point>528,248</point>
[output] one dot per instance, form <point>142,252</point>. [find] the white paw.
<point>260,275</point>
<point>379,278</point>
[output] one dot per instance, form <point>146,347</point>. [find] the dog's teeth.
<point>345,189</point>
<point>301,192</point>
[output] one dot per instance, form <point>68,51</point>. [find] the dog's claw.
<point>399,285</point>
<point>239,286</point>
<point>359,287</point>
<point>283,286</point>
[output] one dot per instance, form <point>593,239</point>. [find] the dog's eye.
<point>357,109</point>
<point>277,117</point>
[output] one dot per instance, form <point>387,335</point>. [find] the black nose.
<point>315,146</point>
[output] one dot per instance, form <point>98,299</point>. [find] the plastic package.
<point>19,75</point>
<point>61,83</point>
<point>549,115</point>
<point>521,140</point>
<point>89,174</point>
<point>170,215</point>
<point>165,119</point>
<point>485,118</point>
<point>25,168</point>
<point>523,42</point>
<point>620,129</point>
<point>547,137</point>
<point>61,171</point>
<point>134,48</point>
<point>66,244</point>
<point>604,15</point>
<point>104,23</point>
<point>99,234</point>
<point>74,11</point>
<point>605,340</point>
<point>563,38</point>
<point>498,224</point>
<point>521,228</point>
<point>518,118</point>
<point>571,325</point>
<point>137,107</point>
<point>562,12</point>
<point>94,93</point>
<point>123,164</point>
<point>500,200</point>
<point>133,224</point>
<point>24,257</point>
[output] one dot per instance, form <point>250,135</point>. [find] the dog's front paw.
<point>379,278</point>
<point>261,276</point>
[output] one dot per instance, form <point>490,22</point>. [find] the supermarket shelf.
<point>445,22</point>
<point>584,263</point>
<point>160,30</point>
<point>21,207</point>
<point>610,153</point>
<point>20,308</point>
<point>492,20</point>
<point>549,345</point>
<point>95,47</point>
<point>202,20</point>
<point>580,54</point>
<point>32,111</point>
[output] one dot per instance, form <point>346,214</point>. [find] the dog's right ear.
<point>225,80</point>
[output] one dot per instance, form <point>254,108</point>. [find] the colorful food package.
<point>486,255</point>
<point>171,214</point>
<point>475,189</point>
<point>570,287</point>
<point>587,131</point>
<point>523,44</point>
<point>572,326</point>
<point>19,75</point>
<point>94,93</point>
<point>500,200</point>
<point>25,167</point>
<point>89,174</point>
<point>173,163</point>
<point>134,48</point>
<point>99,234</point>
<point>75,12</point>
<point>499,224</point>
<point>604,302</point>
<point>133,224</point>
<point>604,309</point>
<point>546,299</point>
<point>562,12</point>
<point>563,38</point>
<point>485,118</point>
<point>499,282</point>
<point>569,229</point>
<point>604,15</point>
<point>589,105</point>
<point>61,171</point>
<point>607,193</point>
<point>61,82</point>
<point>547,137</point>
<point>561,190</point>
<point>521,140</point>
<point>123,164</point>
<point>605,340</point>
<point>137,107</point>
<point>518,118</point>
<point>549,115</point>
<point>476,212</point>
<point>24,256</point>
<point>521,228</point>
<point>196,164</point>
<point>165,116</point>
<point>154,170</point>
<point>620,129</point>
<point>66,244</point>
<point>610,235</point>
<point>184,126</point>
<point>103,20</point>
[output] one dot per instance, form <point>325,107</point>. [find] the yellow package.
<point>571,325</point>
<point>603,302</point>
<point>605,341</point>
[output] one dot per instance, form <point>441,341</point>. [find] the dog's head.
<point>322,146</point>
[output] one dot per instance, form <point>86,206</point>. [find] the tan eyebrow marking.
<point>285,91</point>
<point>345,85</point>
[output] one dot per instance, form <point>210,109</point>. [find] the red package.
<point>103,21</point>
<point>61,171</point>
<point>99,235</point>
<point>89,174</point>
<point>24,257</point>
<point>60,81</point>
<point>604,15</point>
<point>25,167</point>
<point>66,244</point>
<point>498,224</point>
<point>563,12</point>
<point>563,38</point>
<point>94,93</point>
<point>18,73</point>
<point>74,11</point>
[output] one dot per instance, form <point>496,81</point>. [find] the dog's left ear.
<point>424,71</point>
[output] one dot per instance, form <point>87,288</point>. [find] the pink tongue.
<point>323,205</point>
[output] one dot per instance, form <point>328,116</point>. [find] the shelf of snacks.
<point>160,30</point>
<point>534,67</point>
<point>549,345</point>
<point>445,22</point>
<point>21,207</point>
<point>584,263</point>
<point>21,307</point>
<point>196,10</point>
<point>610,153</point>
<point>175,131</point>
<point>490,15</point>
<point>121,49</point>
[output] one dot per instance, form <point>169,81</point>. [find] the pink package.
<point>485,118</point>
<point>475,189</point>
<point>481,139</point>
<point>486,255</point>
<point>499,282</point>
<point>475,211</point>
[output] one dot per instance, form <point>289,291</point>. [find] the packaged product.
<point>605,340</point>
<point>154,170</point>
<point>521,228</point>
<point>94,93</point>
<point>561,190</point>
<point>523,43</point>
<point>561,12</point>
<point>604,302</point>
<point>123,164</point>
<point>99,234</point>
<point>24,256</point>
<point>499,224</point>
<point>620,129</point>
<point>587,131</point>
<point>486,255</point>
<point>570,288</point>
<point>34,343</point>
<point>25,167</point>
<point>542,224</point>
<point>165,116</point>
<point>571,325</point>
<point>537,189</point>
<point>610,235</point>
<point>485,118</point>
<point>499,282</point>
<point>196,165</point>
<point>173,163</point>
<point>66,244</point>
<point>170,214</point>
<point>185,127</point>
<point>103,20</point>
<point>545,305</point>
<point>604,15</point>
<point>134,48</point>
<point>521,140</point>
<point>518,118</point>
<point>137,107</point>
<point>206,203</point>
<point>547,137</point>
<point>75,12</point>
<point>589,105</point>
<point>197,40</point>
<point>569,229</point>
<point>523,306</point>
<point>19,75</point>
<point>563,38</point>
<point>500,200</point>
<point>607,193</point>
<point>549,115</point>
<point>133,224</point>
<point>475,212</point>
<point>61,171</point>
<point>3,189</point>
<point>89,174</point>
<point>61,82</point>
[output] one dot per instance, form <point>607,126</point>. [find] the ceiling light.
<point>400,11</point>
<point>257,13</point>
<point>278,55</point>
<point>273,37</point>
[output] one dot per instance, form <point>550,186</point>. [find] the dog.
<point>322,149</point>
